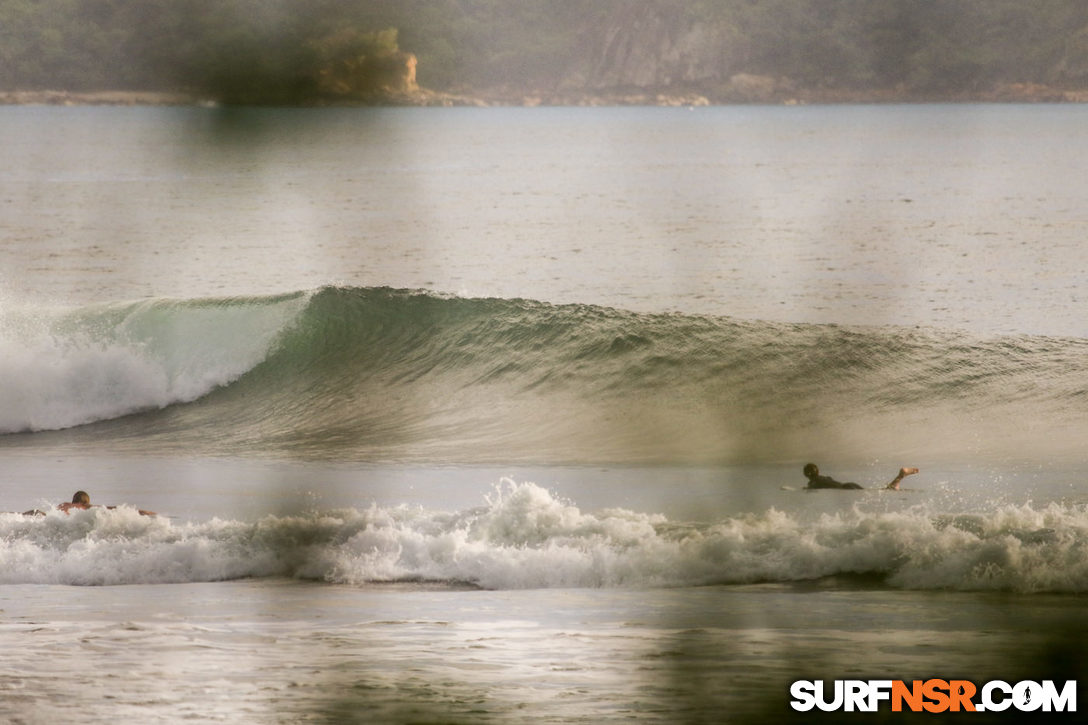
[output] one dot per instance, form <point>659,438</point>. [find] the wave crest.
<point>66,368</point>
<point>395,375</point>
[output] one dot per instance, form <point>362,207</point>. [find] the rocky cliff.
<point>651,46</point>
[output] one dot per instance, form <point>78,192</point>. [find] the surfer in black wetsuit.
<point>815,480</point>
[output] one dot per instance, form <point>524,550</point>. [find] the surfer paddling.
<point>815,480</point>
<point>81,500</point>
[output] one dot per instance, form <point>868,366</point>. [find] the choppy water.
<point>464,415</point>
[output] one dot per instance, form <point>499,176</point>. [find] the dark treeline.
<point>302,50</point>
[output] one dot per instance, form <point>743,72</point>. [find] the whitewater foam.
<point>63,368</point>
<point>526,537</point>
<point>379,374</point>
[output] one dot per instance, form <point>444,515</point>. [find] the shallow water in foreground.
<point>285,651</point>
<point>591,613</point>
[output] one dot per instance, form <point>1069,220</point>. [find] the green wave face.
<point>383,374</point>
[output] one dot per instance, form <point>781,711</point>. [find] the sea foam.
<point>526,537</point>
<point>64,368</point>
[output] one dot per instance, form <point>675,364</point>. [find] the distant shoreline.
<point>1010,93</point>
<point>97,98</point>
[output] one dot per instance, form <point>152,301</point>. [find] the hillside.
<point>559,51</point>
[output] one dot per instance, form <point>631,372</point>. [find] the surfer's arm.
<point>903,473</point>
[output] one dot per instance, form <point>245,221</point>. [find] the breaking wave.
<point>526,537</point>
<point>395,375</point>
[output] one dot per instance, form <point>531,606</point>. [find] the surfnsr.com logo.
<point>933,696</point>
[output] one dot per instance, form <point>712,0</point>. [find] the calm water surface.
<point>965,216</point>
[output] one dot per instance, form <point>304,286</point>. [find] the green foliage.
<point>350,63</point>
<point>285,51</point>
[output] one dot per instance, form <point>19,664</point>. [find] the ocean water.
<point>498,415</point>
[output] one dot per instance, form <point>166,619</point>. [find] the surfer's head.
<point>81,497</point>
<point>811,471</point>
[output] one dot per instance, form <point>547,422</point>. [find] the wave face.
<point>381,374</point>
<point>525,537</point>
<point>68,368</point>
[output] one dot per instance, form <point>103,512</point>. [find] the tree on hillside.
<point>350,63</point>
<point>288,51</point>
